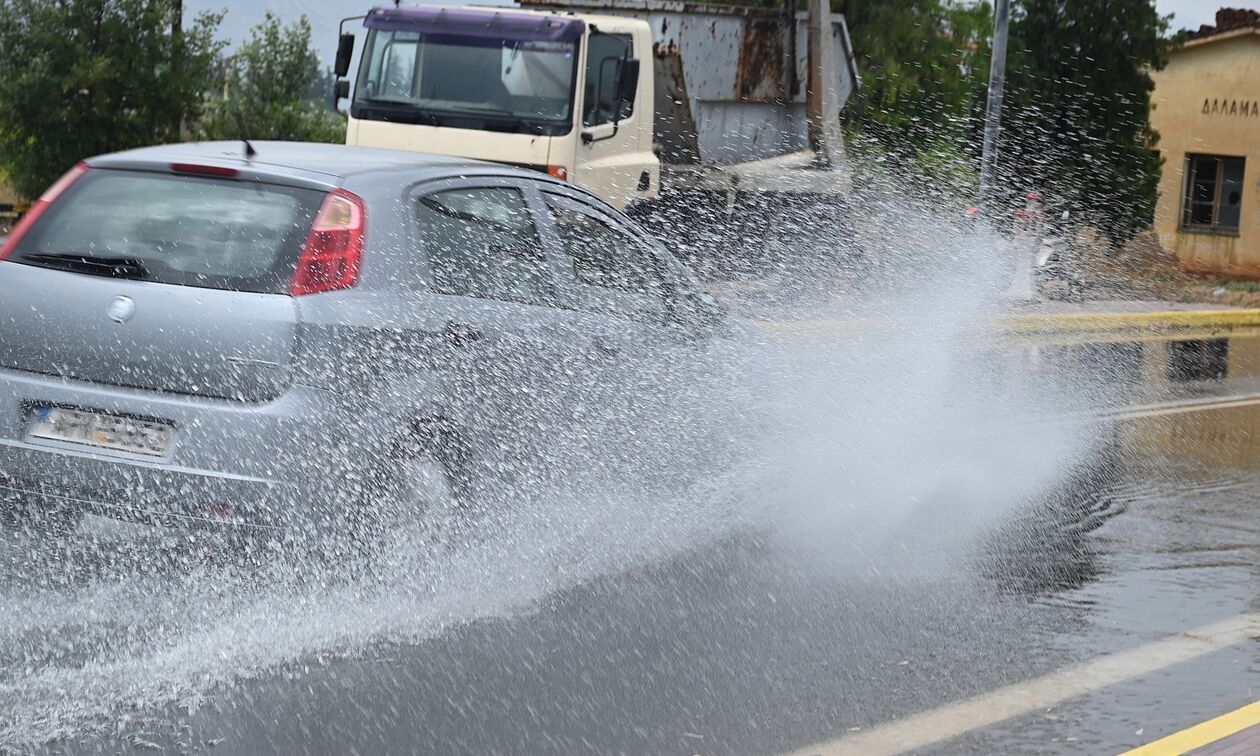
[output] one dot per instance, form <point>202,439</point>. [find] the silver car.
<point>193,334</point>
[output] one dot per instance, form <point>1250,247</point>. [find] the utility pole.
<point>177,56</point>
<point>993,108</point>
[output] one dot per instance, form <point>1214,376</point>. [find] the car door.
<point>623,294</point>
<point>505,360</point>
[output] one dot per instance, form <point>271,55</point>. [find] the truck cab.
<point>560,93</point>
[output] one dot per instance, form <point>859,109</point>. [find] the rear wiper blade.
<point>114,267</point>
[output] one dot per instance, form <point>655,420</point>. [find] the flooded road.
<point>710,633</point>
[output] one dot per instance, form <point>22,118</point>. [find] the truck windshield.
<point>477,82</point>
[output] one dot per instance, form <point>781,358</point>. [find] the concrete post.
<point>822,101</point>
<point>993,107</point>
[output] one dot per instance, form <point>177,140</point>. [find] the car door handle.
<point>461,334</point>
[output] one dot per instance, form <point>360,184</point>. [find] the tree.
<point>82,77</point>
<point>1076,125</point>
<point>924,67</point>
<point>269,90</point>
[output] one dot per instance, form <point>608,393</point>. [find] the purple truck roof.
<point>476,23</point>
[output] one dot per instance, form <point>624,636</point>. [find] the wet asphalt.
<point>748,647</point>
<point>757,644</point>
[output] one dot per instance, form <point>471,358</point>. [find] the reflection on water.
<point>1046,548</point>
<point>1221,437</point>
<point>1184,472</point>
<point>1155,373</point>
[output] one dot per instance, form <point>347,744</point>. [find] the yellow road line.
<point>999,705</point>
<point>1202,734</point>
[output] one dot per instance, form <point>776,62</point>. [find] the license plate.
<point>101,430</point>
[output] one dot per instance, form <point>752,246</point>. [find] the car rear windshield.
<point>174,229</point>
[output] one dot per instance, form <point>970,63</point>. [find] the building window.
<point>1213,194</point>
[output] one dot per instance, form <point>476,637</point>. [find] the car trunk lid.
<point>160,281</point>
<point>227,344</point>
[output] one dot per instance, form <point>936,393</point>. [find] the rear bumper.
<point>41,477</point>
<point>257,464</point>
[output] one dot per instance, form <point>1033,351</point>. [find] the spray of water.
<point>885,431</point>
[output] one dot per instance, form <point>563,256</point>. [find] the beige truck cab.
<point>717,126</point>
<point>560,93</point>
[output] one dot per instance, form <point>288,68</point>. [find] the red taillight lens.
<point>334,250</point>
<point>204,170</point>
<point>37,209</point>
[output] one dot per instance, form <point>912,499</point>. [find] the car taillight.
<point>204,170</point>
<point>37,209</point>
<point>334,250</point>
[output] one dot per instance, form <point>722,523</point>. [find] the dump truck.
<point>719,120</point>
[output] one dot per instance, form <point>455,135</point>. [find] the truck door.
<point>614,154</point>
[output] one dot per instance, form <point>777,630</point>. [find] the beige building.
<point>1207,112</point>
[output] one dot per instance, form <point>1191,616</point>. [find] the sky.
<point>324,16</point>
<point>1191,14</point>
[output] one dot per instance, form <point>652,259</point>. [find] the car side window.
<point>614,272</point>
<point>482,242</point>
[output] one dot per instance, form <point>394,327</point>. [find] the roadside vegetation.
<point>83,77</point>
<point>273,88</point>
<point>1075,121</point>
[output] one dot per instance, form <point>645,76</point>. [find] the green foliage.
<point>1076,119</point>
<point>1251,287</point>
<point>1075,122</point>
<point>270,90</point>
<point>82,77</point>
<point>924,67</point>
<point>942,173</point>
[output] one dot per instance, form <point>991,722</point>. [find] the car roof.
<point>320,165</point>
<point>298,160</point>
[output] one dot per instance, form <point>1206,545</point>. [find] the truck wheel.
<point>817,253</point>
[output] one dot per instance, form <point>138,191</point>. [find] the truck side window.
<point>613,271</point>
<point>602,70</point>
<point>391,65</point>
<point>482,243</point>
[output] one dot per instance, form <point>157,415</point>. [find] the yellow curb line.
<point>1049,328</point>
<point>1202,734</point>
<point>1125,321</point>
